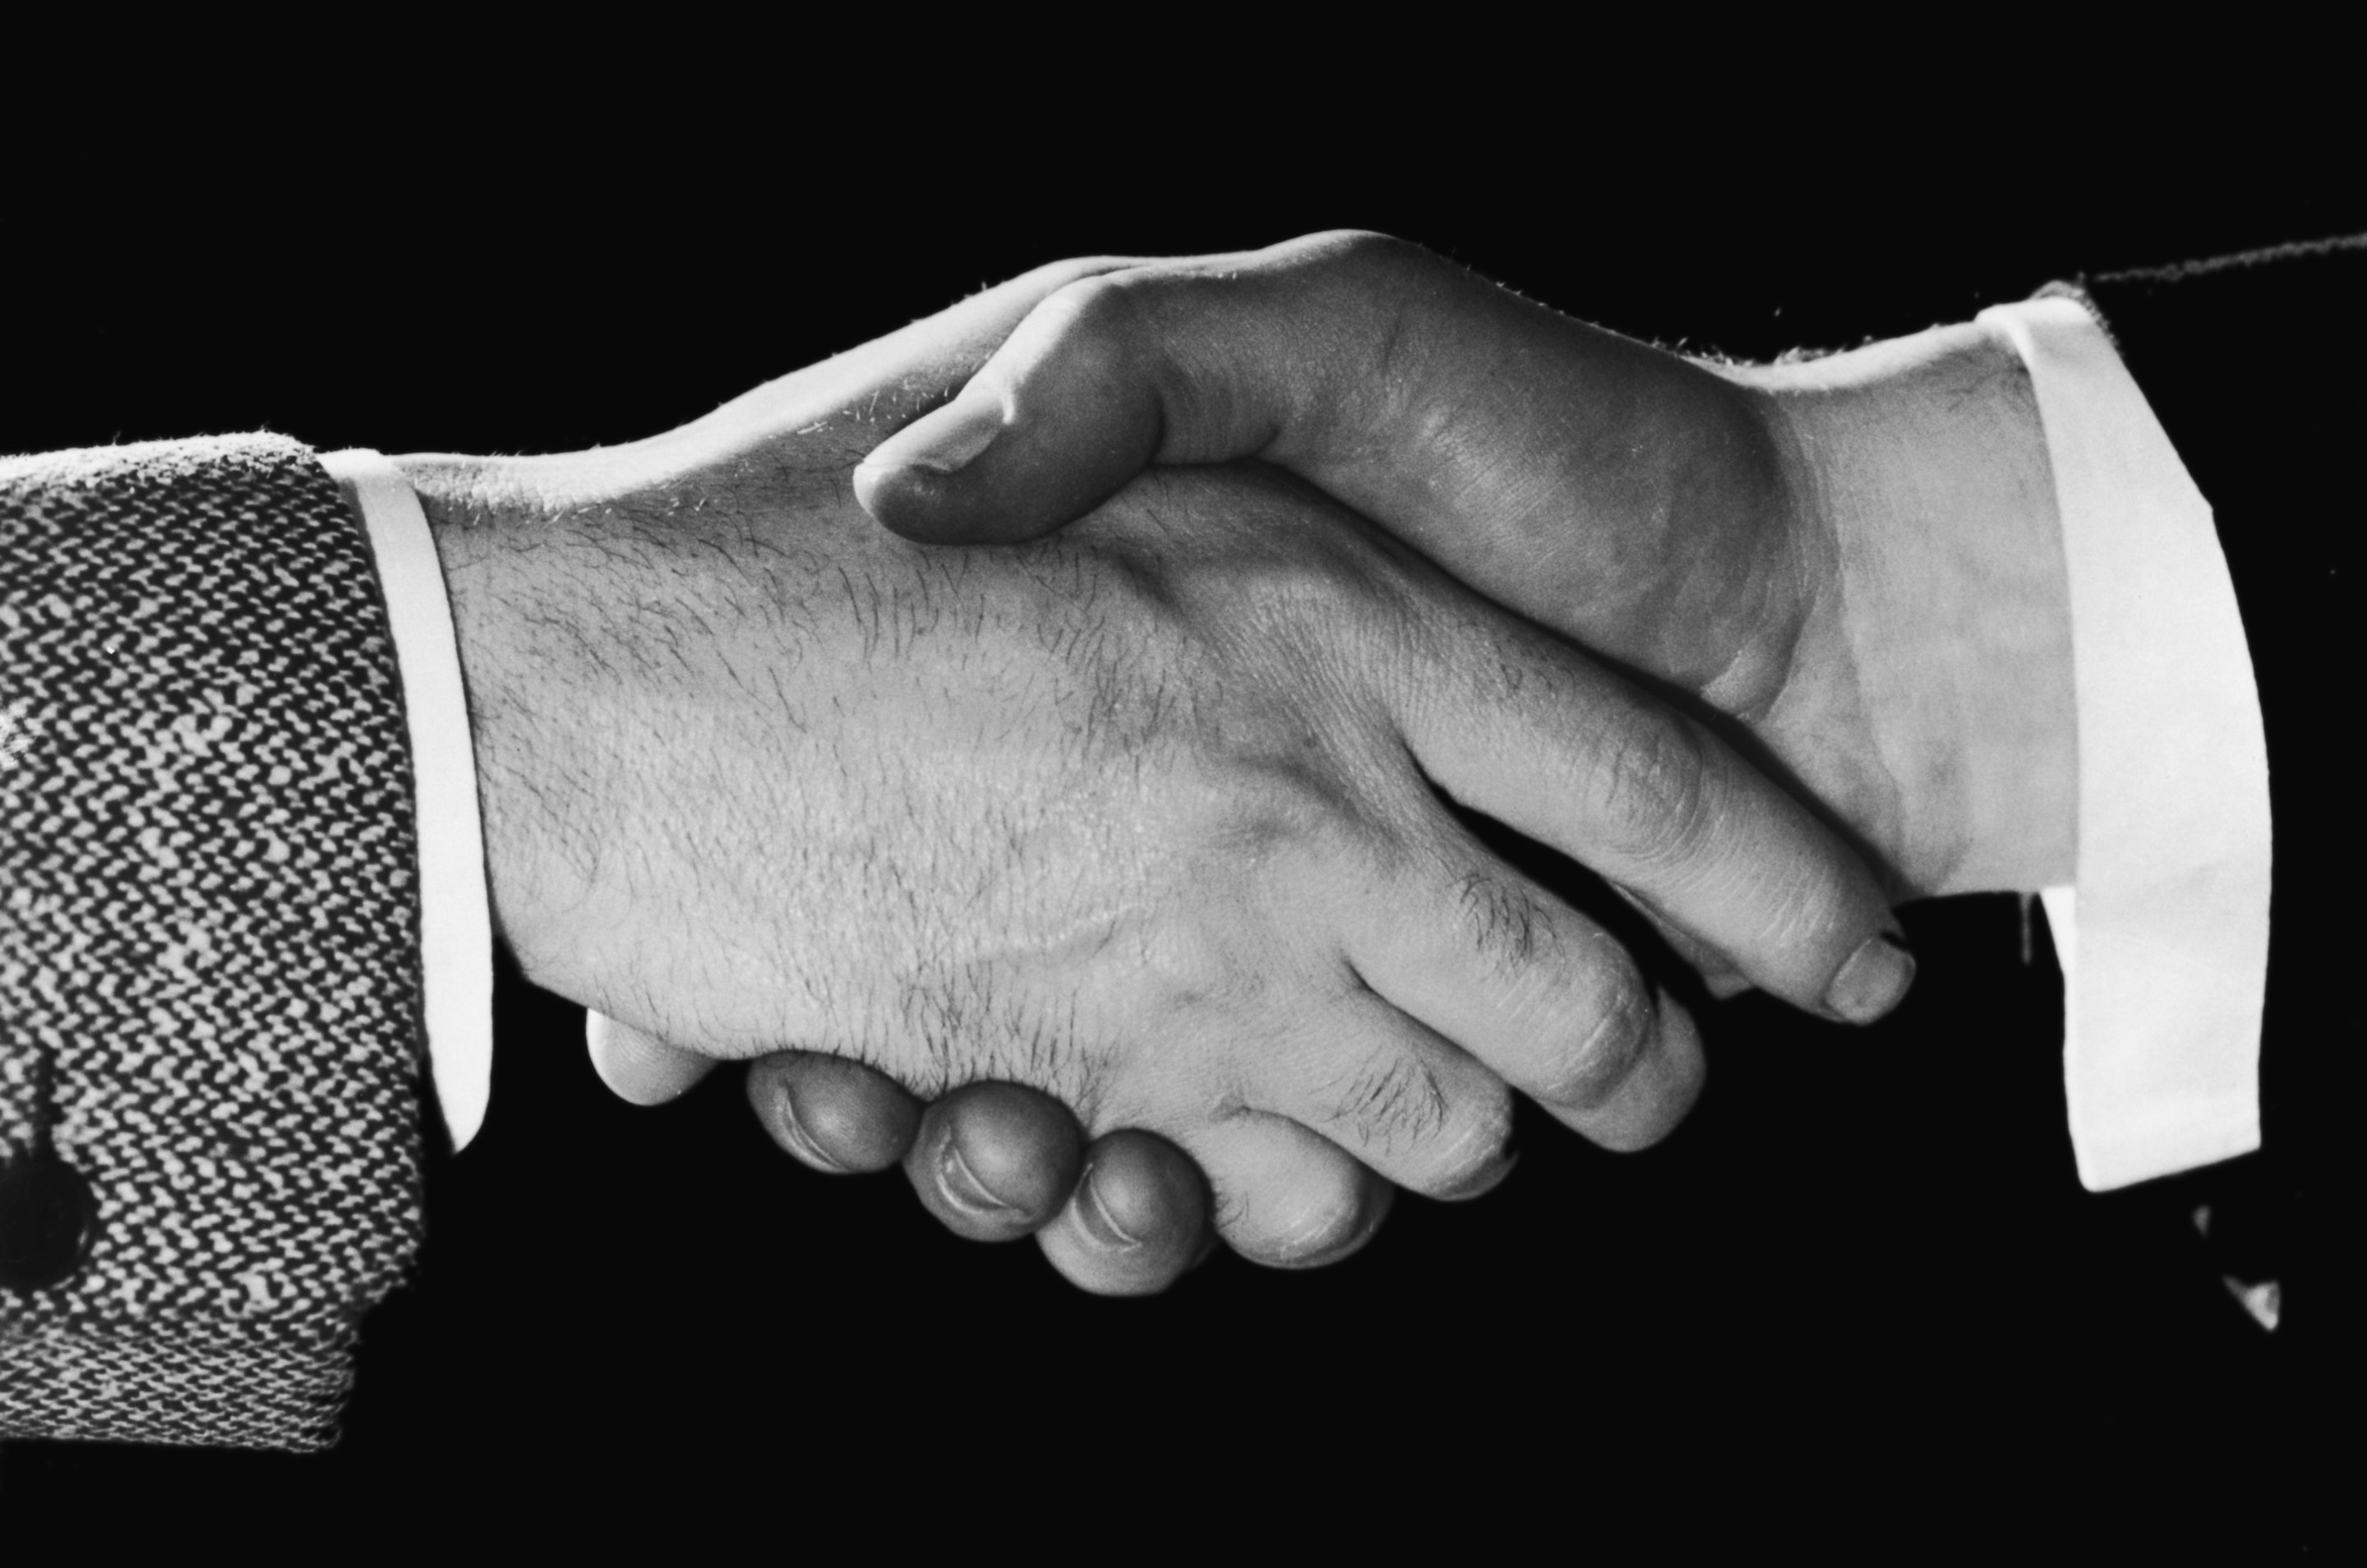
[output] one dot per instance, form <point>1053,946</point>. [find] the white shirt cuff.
<point>2164,940</point>
<point>455,912</point>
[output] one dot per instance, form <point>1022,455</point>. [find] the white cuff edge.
<point>456,911</point>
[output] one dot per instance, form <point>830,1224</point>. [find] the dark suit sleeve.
<point>2253,366</point>
<point>208,942</point>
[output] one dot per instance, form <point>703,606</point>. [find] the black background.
<point>1860,1297</point>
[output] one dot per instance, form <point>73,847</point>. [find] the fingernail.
<point>961,435</point>
<point>961,1186</point>
<point>1874,979</point>
<point>1094,1216</point>
<point>786,1112</point>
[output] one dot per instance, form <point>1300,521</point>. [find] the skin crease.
<point>1131,759</point>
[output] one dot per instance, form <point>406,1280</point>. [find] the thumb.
<point>1051,426</point>
<point>1628,498</point>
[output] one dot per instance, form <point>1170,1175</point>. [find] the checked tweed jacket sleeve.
<point>208,938</point>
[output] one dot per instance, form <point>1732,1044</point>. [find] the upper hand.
<point>1852,559</point>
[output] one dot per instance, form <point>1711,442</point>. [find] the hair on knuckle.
<point>1395,1105</point>
<point>1502,921</point>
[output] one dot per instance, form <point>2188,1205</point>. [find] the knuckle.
<point>1268,590</point>
<point>1401,1111</point>
<point>1361,253</point>
<point>1053,277</point>
<point>1191,963</point>
<point>1393,1106</point>
<point>1275,807</point>
<point>1315,1225</point>
<point>1101,302</point>
<point>1652,789</point>
<point>1610,1049</point>
<point>1097,319</point>
<point>1314,588</point>
<point>1468,1158</point>
<point>1504,924</point>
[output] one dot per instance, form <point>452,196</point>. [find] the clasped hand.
<point>1150,816</point>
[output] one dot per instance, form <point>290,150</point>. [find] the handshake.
<point>1134,838</point>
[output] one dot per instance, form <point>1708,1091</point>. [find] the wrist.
<point>1939,642</point>
<point>477,511</point>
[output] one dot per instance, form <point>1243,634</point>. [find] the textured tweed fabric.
<point>209,921</point>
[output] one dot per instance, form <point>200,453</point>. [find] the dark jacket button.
<point>48,1219</point>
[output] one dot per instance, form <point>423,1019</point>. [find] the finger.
<point>639,1067</point>
<point>1537,993</point>
<point>1136,1220</point>
<point>995,1161</point>
<point>1390,1091</point>
<point>832,1115</point>
<point>1658,1089</point>
<point>1525,730</point>
<point>1284,1197</point>
<point>1720,978</point>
